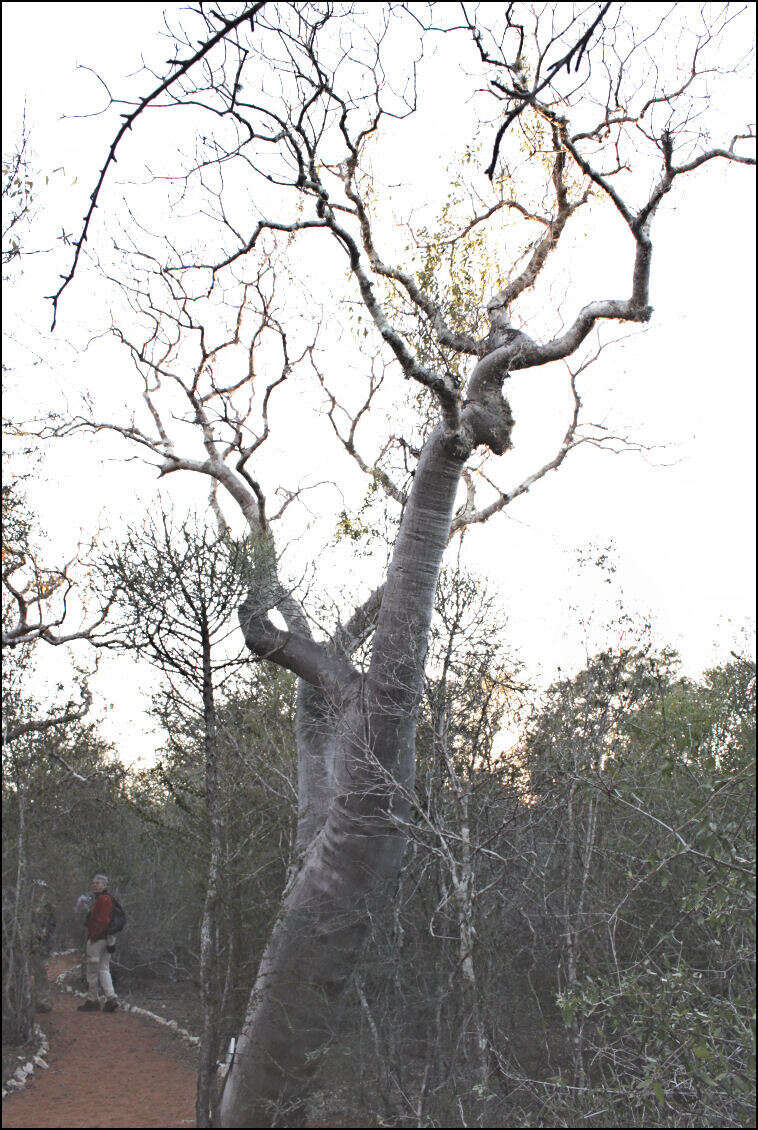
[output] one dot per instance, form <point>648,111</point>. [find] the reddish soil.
<point>106,1069</point>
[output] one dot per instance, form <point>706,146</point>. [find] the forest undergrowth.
<point>572,934</point>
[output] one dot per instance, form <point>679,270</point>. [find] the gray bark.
<point>206,1079</point>
<point>356,766</point>
<point>316,748</point>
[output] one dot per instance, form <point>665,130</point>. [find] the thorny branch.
<point>182,68</point>
<point>12,731</point>
<point>520,95</point>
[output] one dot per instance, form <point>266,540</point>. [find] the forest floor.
<point>116,1069</point>
<point>105,1069</point>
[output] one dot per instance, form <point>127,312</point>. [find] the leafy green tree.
<point>650,779</point>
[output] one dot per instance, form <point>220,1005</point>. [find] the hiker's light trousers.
<point>98,966</point>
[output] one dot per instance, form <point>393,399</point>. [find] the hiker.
<point>100,946</point>
<point>43,925</point>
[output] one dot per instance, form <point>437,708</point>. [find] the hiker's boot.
<point>111,1005</point>
<point>89,1006</point>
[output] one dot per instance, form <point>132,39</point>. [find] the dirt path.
<point>106,1069</point>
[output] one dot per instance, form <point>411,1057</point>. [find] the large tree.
<point>292,101</point>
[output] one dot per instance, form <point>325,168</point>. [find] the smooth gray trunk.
<point>356,767</point>
<point>316,733</point>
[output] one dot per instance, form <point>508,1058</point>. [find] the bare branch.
<point>314,662</point>
<point>11,732</point>
<point>182,67</point>
<point>518,93</point>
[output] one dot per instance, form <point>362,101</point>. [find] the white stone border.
<point>144,1012</point>
<point>23,1074</point>
<point>172,1024</point>
<point>60,980</point>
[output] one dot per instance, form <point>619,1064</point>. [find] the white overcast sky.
<point>681,519</point>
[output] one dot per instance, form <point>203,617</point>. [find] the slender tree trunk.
<point>463,890</point>
<point>232,926</point>
<point>581,847</point>
<point>463,882</point>
<point>209,987</point>
<point>18,1013</point>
